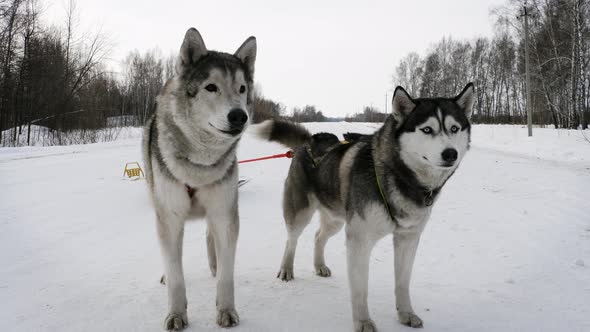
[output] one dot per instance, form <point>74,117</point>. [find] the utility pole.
<point>529,112</point>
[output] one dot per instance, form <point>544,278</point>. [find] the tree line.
<point>57,77</point>
<point>559,44</point>
<point>369,114</point>
<point>56,87</point>
<point>51,76</point>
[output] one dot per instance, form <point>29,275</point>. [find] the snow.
<point>546,143</point>
<point>505,249</point>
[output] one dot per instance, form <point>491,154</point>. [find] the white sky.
<point>337,55</point>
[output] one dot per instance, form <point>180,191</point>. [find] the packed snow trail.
<point>507,247</point>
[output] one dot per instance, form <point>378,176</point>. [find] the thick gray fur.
<point>340,180</point>
<point>189,149</point>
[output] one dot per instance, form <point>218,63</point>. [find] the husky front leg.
<point>358,253</point>
<point>171,233</point>
<point>405,245</point>
<point>223,223</point>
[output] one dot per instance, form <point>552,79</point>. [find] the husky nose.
<point>449,155</point>
<point>237,117</point>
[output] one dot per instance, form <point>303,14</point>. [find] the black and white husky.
<point>189,151</point>
<point>375,184</point>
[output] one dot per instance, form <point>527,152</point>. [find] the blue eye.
<point>454,129</point>
<point>427,130</point>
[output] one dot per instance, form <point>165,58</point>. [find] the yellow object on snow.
<point>133,171</point>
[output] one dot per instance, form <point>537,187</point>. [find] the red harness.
<point>289,154</point>
<point>190,191</point>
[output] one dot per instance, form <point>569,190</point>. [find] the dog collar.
<point>428,196</point>
<point>190,190</point>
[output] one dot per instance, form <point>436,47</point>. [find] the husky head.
<point>433,134</point>
<point>213,90</point>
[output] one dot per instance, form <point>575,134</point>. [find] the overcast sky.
<point>337,55</point>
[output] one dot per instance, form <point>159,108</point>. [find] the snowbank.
<point>546,143</point>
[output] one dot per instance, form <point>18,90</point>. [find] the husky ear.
<point>466,99</point>
<point>247,53</point>
<point>402,104</point>
<point>192,49</point>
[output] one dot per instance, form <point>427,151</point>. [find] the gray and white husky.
<point>375,184</point>
<point>189,151</point>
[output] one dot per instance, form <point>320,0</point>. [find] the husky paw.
<point>410,319</point>
<point>163,280</point>
<point>323,271</point>
<point>227,317</point>
<point>175,321</point>
<point>364,326</point>
<point>285,274</point>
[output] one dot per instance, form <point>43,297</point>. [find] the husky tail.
<point>287,133</point>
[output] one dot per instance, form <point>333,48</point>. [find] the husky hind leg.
<point>298,209</point>
<point>295,223</point>
<point>212,256</point>
<point>328,228</point>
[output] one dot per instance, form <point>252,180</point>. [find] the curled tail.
<point>287,133</point>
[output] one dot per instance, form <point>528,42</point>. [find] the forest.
<point>559,47</point>
<point>56,77</point>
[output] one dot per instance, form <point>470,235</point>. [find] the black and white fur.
<point>414,153</point>
<point>189,151</point>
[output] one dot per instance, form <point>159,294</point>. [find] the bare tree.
<point>10,30</point>
<point>309,113</point>
<point>560,56</point>
<point>44,72</point>
<point>369,114</point>
<point>408,73</point>
<point>264,108</point>
<point>144,75</point>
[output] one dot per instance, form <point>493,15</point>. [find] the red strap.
<point>190,190</point>
<point>288,154</point>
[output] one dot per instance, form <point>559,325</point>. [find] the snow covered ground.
<point>507,248</point>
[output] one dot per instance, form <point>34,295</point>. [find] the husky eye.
<point>454,129</point>
<point>427,130</point>
<point>242,89</point>
<point>211,88</point>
